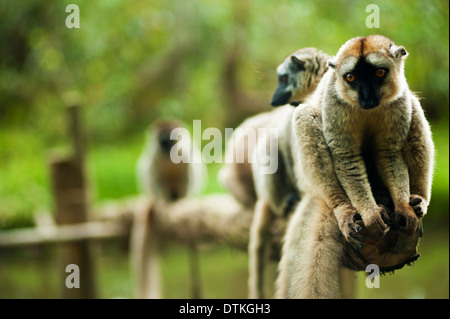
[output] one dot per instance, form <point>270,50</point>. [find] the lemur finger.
<point>384,215</point>
<point>377,227</point>
<point>355,243</point>
<point>410,226</point>
<point>355,227</point>
<point>418,211</point>
<point>359,238</point>
<point>415,201</point>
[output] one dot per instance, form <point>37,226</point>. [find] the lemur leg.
<point>312,251</point>
<point>272,190</point>
<point>293,245</point>
<point>394,173</point>
<point>259,236</point>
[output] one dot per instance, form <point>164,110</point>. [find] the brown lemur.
<point>165,173</point>
<point>272,195</point>
<point>362,135</point>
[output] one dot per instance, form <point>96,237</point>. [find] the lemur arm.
<point>316,171</point>
<point>418,154</point>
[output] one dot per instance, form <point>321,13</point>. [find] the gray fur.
<point>274,190</point>
<point>332,134</point>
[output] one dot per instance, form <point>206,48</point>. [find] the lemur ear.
<point>398,52</point>
<point>300,64</point>
<point>332,62</point>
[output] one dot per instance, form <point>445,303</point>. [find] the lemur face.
<point>288,81</point>
<point>299,75</point>
<point>163,130</point>
<point>369,71</point>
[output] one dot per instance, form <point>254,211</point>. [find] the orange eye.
<point>350,77</point>
<point>380,73</point>
<point>283,79</point>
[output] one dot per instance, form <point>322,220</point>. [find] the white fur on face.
<point>347,65</point>
<point>378,60</point>
<point>283,69</point>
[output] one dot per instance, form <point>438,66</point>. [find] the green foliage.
<point>134,61</point>
<point>119,44</point>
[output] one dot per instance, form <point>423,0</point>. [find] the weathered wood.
<point>76,132</point>
<point>63,233</point>
<point>71,206</point>
<point>194,266</point>
<point>144,255</point>
<point>215,218</point>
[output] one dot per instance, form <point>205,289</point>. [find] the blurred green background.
<point>134,61</point>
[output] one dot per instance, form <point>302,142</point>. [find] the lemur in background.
<point>158,175</point>
<point>271,195</point>
<point>164,180</point>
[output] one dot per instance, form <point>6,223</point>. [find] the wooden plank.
<point>62,234</point>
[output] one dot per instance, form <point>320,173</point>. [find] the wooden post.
<point>71,205</point>
<point>144,255</point>
<point>76,133</point>
<point>194,265</point>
